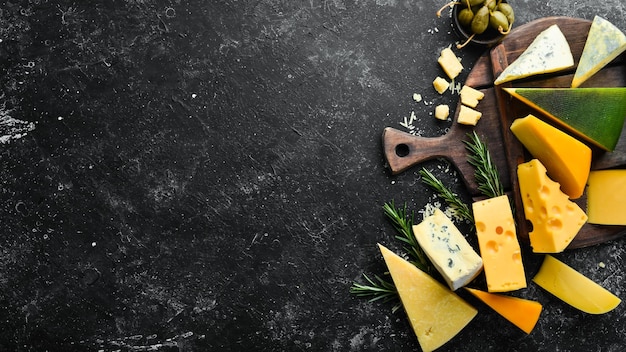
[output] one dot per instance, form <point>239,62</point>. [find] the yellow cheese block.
<point>436,313</point>
<point>574,288</point>
<point>470,96</point>
<point>606,197</point>
<point>604,43</point>
<point>442,112</point>
<point>555,219</point>
<point>499,246</point>
<point>450,64</point>
<point>468,116</point>
<point>441,85</point>
<point>567,159</point>
<point>523,313</point>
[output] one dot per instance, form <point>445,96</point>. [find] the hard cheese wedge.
<point>523,313</point>
<point>574,288</point>
<point>604,43</point>
<point>436,313</point>
<point>549,52</point>
<point>606,197</point>
<point>448,250</point>
<point>499,246</point>
<point>567,159</point>
<point>555,219</point>
<point>595,115</point>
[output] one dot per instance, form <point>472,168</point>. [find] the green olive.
<point>491,4</point>
<point>465,17</point>
<point>480,22</point>
<point>507,10</point>
<point>498,21</point>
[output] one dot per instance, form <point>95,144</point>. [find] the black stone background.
<point>208,176</point>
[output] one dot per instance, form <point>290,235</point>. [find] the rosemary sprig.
<point>486,174</point>
<point>461,208</point>
<point>403,223</point>
<point>379,290</point>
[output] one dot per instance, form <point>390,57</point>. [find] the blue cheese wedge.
<point>448,250</point>
<point>604,43</point>
<point>549,52</point>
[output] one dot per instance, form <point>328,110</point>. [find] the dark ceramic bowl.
<point>488,38</point>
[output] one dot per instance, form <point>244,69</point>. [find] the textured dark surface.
<point>208,176</point>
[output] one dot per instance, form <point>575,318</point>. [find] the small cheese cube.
<point>499,246</point>
<point>442,112</point>
<point>470,96</point>
<point>450,64</point>
<point>606,197</point>
<point>441,85</point>
<point>468,116</point>
<point>448,250</point>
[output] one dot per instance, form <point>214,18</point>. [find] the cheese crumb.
<point>602,265</point>
<point>417,97</point>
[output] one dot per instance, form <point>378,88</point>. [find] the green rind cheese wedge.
<point>604,43</point>
<point>595,115</point>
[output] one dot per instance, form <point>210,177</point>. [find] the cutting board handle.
<point>404,150</point>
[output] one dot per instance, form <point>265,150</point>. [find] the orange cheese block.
<point>606,197</point>
<point>523,313</point>
<point>574,288</point>
<point>499,246</point>
<point>555,219</point>
<point>436,313</point>
<point>567,159</point>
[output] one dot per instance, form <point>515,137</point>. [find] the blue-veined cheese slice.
<point>448,250</point>
<point>549,52</point>
<point>604,43</point>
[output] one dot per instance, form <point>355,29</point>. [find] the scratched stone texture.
<point>208,176</point>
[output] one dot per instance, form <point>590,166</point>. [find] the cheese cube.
<point>448,250</point>
<point>470,96</point>
<point>499,246</point>
<point>555,219</point>
<point>441,85</point>
<point>442,112</point>
<point>450,64</point>
<point>468,116</point>
<point>606,197</point>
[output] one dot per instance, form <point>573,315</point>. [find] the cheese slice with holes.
<point>604,43</point>
<point>549,52</point>
<point>555,219</point>
<point>436,313</point>
<point>499,246</point>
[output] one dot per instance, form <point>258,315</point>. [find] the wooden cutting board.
<point>403,150</point>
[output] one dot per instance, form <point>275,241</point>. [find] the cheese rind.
<point>606,197</point>
<point>595,115</point>
<point>450,63</point>
<point>567,159</point>
<point>523,313</point>
<point>549,52</point>
<point>448,250</point>
<point>555,219</point>
<point>604,43</point>
<point>574,288</point>
<point>435,313</point>
<point>499,246</point>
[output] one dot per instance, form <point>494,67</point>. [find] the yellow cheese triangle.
<point>574,288</point>
<point>523,313</point>
<point>549,52</point>
<point>567,159</point>
<point>436,313</point>
<point>604,43</point>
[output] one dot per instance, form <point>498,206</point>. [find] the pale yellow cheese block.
<point>574,288</point>
<point>436,313</point>
<point>606,197</point>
